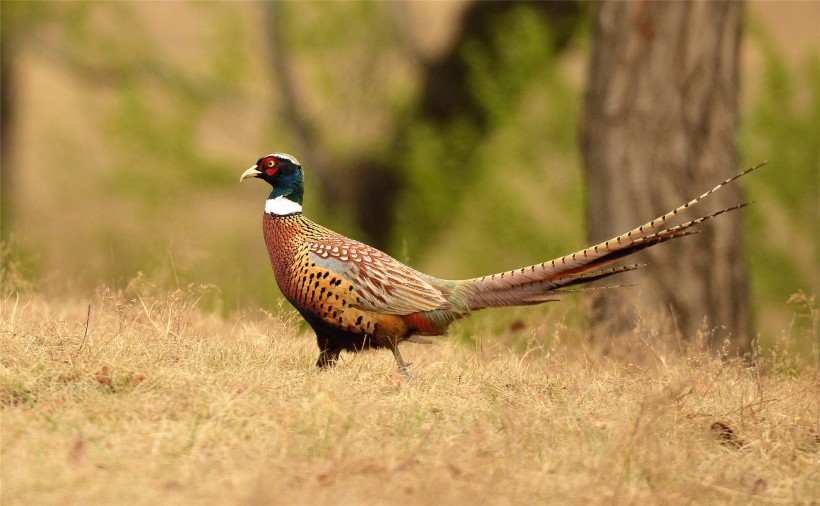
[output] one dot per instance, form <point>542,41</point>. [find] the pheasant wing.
<point>381,283</point>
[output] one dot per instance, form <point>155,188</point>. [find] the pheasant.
<point>356,297</point>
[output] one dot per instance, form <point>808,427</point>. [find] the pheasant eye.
<point>271,170</point>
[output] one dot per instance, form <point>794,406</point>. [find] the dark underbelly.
<point>333,338</point>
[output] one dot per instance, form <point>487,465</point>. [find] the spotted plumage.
<point>357,297</point>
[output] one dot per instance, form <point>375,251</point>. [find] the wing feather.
<point>380,283</point>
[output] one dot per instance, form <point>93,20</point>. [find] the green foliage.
<point>20,18</point>
<point>18,268</point>
<point>137,165</point>
<point>497,182</point>
<point>344,60</point>
<point>782,126</point>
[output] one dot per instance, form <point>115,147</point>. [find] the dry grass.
<point>146,400</point>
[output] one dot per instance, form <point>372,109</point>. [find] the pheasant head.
<point>284,173</point>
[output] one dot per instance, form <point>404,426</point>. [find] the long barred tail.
<point>539,283</point>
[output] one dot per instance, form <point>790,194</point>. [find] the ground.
<point>145,399</point>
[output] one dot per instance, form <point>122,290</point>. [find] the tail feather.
<point>546,291</point>
<point>533,284</point>
<point>553,295</point>
<point>538,291</point>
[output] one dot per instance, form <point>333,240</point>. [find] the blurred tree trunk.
<point>659,125</point>
<point>6,91</point>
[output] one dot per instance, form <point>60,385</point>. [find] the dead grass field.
<point>145,399</point>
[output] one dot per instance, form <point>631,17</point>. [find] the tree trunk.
<point>659,125</point>
<point>7,180</point>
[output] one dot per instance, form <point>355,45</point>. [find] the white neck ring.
<point>282,206</point>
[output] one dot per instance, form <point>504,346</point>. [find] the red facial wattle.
<point>269,166</point>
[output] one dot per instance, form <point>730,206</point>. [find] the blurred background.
<point>445,133</point>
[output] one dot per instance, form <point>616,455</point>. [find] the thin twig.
<point>85,334</point>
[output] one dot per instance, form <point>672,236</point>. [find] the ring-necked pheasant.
<point>356,297</point>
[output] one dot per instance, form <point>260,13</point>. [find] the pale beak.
<point>251,172</point>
